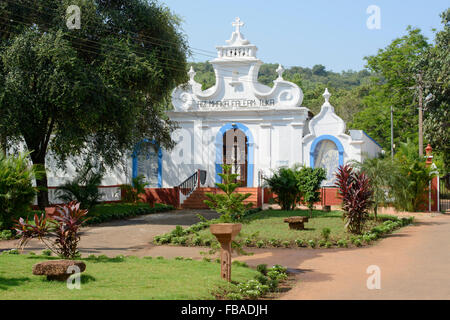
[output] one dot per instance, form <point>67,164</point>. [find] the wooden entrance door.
<point>235,153</point>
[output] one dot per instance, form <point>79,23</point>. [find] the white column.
<point>264,160</point>
<point>296,143</point>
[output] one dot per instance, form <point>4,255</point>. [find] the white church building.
<point>239,121</point>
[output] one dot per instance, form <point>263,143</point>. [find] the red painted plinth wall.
<point>162,195</point>
<point>434,195</point>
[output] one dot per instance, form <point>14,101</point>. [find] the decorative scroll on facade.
<point>237,88</point>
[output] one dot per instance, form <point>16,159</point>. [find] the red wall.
<point>330,197</point>
<point>162,195</point>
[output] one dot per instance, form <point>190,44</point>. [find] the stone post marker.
<point>225,233</point>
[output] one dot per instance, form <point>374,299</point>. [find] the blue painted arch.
<point>135,154</point>
<point>316,142</point>
<point>250,150</point>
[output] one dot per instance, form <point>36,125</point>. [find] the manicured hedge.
<point>116,211</point>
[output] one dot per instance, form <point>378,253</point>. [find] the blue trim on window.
<point>250,149</point>
<point>135,159</point>
<point>322,138</point>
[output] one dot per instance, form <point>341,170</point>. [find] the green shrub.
<point>342,243</point>
<point>248,242</point>
<point>206,259</point>
<point>357,243</point>
<point>328,244</point>
<point>274,242</point>
<point>207,242</point>
<point>262,268</point>
<point>229,204</point>
<point>182,240</point>
<point>253,289</point>
<point>286,244</point>
<point>46,252</point>
<point>260,244</point>
<point>309,181</point>
<point>326,233</point>
<point>276,275</point>
<point>13,251</point>
<point>262,278</point>
<point>178,231</point>
<point>132,193</point>
<point>322,243</point>
<point>16,189</point>
<point>312,243</point>
<point>299,243</point>
<point>279,268</point>
<point>197,241</point>
<point>367,239</point>
<point>84,187</point>
<point>284,184</point>
<point>272,284</point>
<point>234,296</point>
<point>6,235</point>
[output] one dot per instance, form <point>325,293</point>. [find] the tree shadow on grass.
<point>5,283</point>
<point>86,278</point>
<point>42,257</point>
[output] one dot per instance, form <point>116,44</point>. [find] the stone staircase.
<point>196,198</point>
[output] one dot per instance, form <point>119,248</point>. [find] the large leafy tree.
<point>437,77</point>
<point>93,92</point>
<point>396,69</point>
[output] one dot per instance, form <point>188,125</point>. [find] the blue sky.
<point>306,32</point>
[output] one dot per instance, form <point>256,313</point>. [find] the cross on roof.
<point>238,24</point>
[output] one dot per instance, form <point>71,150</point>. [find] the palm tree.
<point>383,175</point>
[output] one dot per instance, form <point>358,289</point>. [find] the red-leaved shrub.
<point>356,194</point>
<point>59,231</point>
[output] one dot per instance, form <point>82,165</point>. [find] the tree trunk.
<point>41,182</point>
<point>3,145</point>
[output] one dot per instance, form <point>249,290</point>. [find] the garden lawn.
<point>268,224</point>
<point>118,278</point>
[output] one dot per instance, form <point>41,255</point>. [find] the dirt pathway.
<point>129,237</point>
<point>414,264</point>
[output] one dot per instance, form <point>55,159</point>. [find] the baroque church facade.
<point>239,121</point>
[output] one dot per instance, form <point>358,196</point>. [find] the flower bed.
<point>266,229</point>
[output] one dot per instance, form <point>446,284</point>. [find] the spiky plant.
<point>58,231</point>
<point>356,193</point>
<point>229,204</point>
<point>285,185</point>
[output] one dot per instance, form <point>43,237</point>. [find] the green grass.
<point>268,224</point>
<point>119,278</point>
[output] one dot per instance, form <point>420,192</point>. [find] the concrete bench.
<point>296,223</point>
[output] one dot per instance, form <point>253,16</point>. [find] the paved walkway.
<point>414,262</point>
<point>130,237</point>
